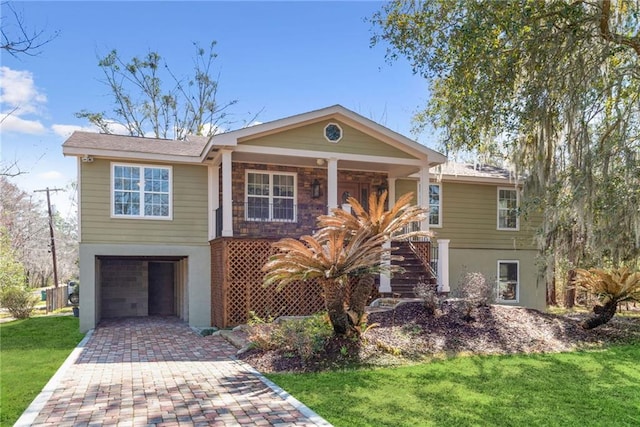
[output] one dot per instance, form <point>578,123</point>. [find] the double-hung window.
<point>508,281</point>
<point>435,205</point>
<point>270,196</point>
<point>508,209</point>
<point>141,191</point>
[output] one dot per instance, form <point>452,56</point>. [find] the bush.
<point>429,294</point>
<point>19,301</point>
<point>303,337</point>
<point>476,289</point>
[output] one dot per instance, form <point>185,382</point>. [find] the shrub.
<point>476,289</point>
<point>611,287</point>
<point>303,337</point>
<point>429,294</point>
<point>19,301</point>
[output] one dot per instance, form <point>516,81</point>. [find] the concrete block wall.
<point>125,288</point>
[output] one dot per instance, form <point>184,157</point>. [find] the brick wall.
<point>308,208</point>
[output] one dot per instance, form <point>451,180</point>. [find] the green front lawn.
<point>31,351</point>
<point>594,388</point>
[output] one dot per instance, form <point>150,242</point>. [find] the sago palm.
<point>346,245</point>
<point>611,287</point>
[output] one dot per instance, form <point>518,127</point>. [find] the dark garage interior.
<point>141,286</point>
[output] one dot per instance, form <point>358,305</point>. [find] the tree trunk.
<point>570,290</point>
<point>334,296</point>
<point>551,290</point>
<point>358,299</point>
<point>604,313</point>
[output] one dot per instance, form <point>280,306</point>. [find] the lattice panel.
<point>241,287</point>
<point>217,283</point>
<point>423,252</point>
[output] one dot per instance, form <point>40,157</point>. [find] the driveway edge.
<point>304,409</point>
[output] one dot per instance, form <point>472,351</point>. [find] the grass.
<point>31,351</point>
<point>592,388</point>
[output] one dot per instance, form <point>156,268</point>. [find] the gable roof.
<point>338,112</point>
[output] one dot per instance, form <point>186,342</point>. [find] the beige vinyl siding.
<point>469,217</point>
<point>189,204</point>
<point>311,137</point>
<point>404,186</point>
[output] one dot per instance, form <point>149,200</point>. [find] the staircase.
<point>404,283</point>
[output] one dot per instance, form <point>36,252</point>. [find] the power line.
<point>53,241</point>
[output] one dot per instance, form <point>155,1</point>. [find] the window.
<point>271,196</point>
<point>333,132</point>
<point>508,281</point>
<point>141,191</point>
<point>435,204</point>
<point>508,209</point>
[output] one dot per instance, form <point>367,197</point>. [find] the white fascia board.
<point>130,155</point>
<point>479,180</point>
<point>326,155</point>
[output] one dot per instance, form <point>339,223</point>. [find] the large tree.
<point>150,100</point>
<point>551,86</point>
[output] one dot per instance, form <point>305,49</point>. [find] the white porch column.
<point>385,280</point>
<point>423,195</point>
<point>227,200</point>
<point>443,265</point>
<point>213,173</point>
<point>332,184</point>
<point>391,197</point>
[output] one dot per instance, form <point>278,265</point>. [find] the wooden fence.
<point>57,298</point>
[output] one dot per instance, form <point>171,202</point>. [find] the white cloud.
<point>66,130</point>
<point>17,90</point>
<point>254,123</point>
<point>50,175</point>
<point>13,123</point>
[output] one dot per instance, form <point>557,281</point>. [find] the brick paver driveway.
<point>157,371</point>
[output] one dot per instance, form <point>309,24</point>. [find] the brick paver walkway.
<point>158,372</point>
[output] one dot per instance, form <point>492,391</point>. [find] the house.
<point>182,228</point>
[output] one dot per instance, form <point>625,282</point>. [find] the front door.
<point>161,289</point>
<point>357,190</point>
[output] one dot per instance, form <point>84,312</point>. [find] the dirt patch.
<point>409,334</point>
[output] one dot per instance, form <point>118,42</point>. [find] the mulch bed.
<point>409,334</point>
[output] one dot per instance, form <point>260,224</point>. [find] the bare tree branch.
<point>16,39</point>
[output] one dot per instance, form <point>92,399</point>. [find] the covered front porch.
<point>274,180</point>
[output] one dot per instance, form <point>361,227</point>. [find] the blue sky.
<point>283,58</point>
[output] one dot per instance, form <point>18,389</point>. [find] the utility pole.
<point>53,242</point>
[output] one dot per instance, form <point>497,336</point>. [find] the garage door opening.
<point>142,286</point>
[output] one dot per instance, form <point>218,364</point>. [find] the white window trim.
<point>517,227</point>
<point>498,298</point>
<point>142,216</point>
<point>439,224</point>
<point>324,132</point>
<point>271,174</point>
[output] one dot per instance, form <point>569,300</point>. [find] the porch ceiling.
<point>394,170</point>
